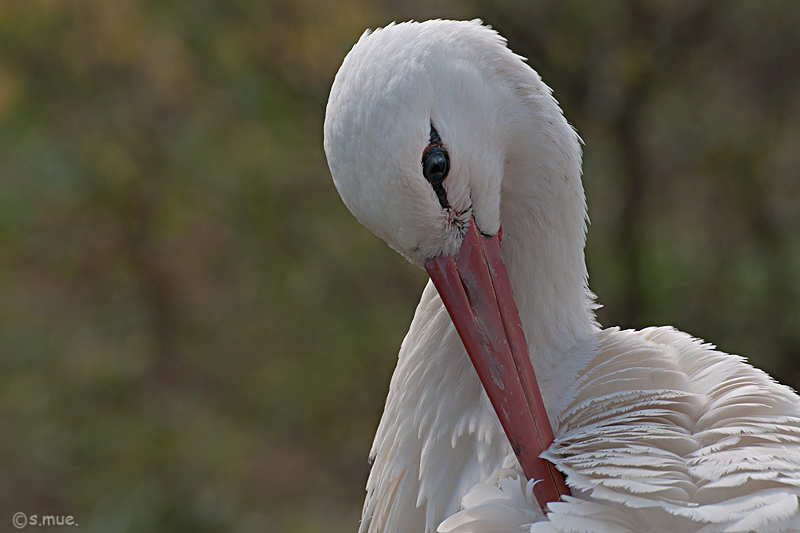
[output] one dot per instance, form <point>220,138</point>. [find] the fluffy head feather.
<point>394,85</point>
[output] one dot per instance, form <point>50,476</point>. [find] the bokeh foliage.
<point>196,336</point>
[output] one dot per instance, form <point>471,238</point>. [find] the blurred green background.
<point>196,336</point>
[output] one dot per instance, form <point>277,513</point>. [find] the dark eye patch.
<point>436,165</point>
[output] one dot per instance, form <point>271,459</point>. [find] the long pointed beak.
<point>476,290</point>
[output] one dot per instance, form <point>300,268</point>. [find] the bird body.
<point>654,430</point>
<point>657,431</point>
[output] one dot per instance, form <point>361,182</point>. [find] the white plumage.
<point>662,433</point>
<point>654,430</point>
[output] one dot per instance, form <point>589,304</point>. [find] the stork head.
<point>414,133</point>
<point>421,126</point>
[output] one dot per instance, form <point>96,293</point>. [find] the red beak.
<point>476,290</point>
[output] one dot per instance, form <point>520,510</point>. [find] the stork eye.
<point>435,164</point>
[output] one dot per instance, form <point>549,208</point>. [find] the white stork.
<point>443,143</point>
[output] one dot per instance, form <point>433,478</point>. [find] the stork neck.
<point>554,303</point>
<point>543,212</point>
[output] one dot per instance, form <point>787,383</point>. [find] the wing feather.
<point>660,432</point>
